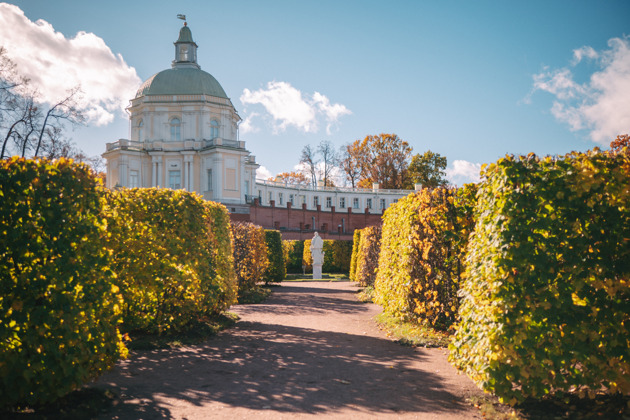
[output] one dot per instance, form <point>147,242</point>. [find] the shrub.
<point>250,255</point>
<point>546,301</point>
<point>422,250</point>
<point>276,271</point>
<point>170,257</point>
<point>367,256</point>
<point>337,255</point>
<point>293,251</point>
<point>307,258</point>
<point>60,309</point>
<point>355,250</point>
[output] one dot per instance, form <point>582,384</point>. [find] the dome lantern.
<point>185,49</point>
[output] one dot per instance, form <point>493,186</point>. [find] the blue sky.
<point>470,80</point>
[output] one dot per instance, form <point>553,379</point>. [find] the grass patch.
<point>309,277</point>
<point>197,332</point>
<point>255,295</point>
<point>410,333</point>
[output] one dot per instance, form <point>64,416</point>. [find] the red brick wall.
<point>297,223</point>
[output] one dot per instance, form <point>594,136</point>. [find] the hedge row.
<point>546,303</point>
<point>423,244</point>
<point>293,253</point>
<point>250,255</point>
<point>171,255</point>
<point>356,238</point>
<point>59,305</point>
<point>276,271</point>
<point>337,256</point>
<point>367,255</point>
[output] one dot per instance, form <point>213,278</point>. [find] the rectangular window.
<point>383,204</point>
<point>342,202</point>
<point>328,202</point>
<point>315,201</point>
<point>247,187</point>
<point>369,203</point>
<point>291,199</point>
<point>134,179</point>
<point>209,175</point>
<point>270,196</point>
<point>174,180</point>
<point>281,199</point>
<point>355,203</point>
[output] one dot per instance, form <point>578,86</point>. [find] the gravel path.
<point>309,350</point>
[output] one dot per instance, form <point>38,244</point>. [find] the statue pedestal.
<point>317,271</point>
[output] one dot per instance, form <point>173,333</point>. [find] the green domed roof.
<point>181,81</point>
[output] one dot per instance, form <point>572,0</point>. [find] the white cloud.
<point>601,105</point>
<point>463,172</point>
<point>263,173</point>
<point>287,106</point>
<point>247,125</point>
<point>56,64</point>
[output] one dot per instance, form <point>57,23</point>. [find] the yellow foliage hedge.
<point>59,307</point>
<point>423,244</point>
<point>250,255</point>
<point>172,257</point>
<point>367,255</point>
<point>337,255</point>
<point>356,241</point>
<point>546,301</point>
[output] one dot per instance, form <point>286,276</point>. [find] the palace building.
<point>184,135</point>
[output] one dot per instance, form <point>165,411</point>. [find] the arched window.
<point>214,129</point>
<point>140,127</point>
<point>176,129</point>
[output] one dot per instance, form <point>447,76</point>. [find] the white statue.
<point>318,255</point>
<point>316,249</point>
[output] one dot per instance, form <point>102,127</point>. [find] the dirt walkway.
<point>309,350</point>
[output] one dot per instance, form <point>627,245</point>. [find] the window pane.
<point>174,179</point>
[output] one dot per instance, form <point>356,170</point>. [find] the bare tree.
<point>25,124</point>
<point>309,160</point>
<point>329,160</point>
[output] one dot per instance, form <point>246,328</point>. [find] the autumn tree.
<point>381,159</point>
<point>427,169</point>
<point>292,178</point>
<point>350,163</point>
<point>618,144</point>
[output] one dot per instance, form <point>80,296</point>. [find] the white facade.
<point>358,200</point>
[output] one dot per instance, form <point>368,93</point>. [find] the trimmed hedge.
<point>276,271</point>
<point>337,256</point>
<point>60,309</point>
<point>367,255</point>
<point>546,301</point>
<point>422,250</point>
<point>250,255</point>
<point>356,241</point>
<point>171,255</point>
<point>293,255</point>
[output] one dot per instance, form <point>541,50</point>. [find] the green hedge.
<point>546,301</point>
<point>367,255</point>
<point>356,242</point>
<point>337,255</point>
<point>60,309</point>
<point>171,255</point>
<point>276,271</point>
<point>422,250</point>
<point>250,256</point>
<point>293,252</point>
